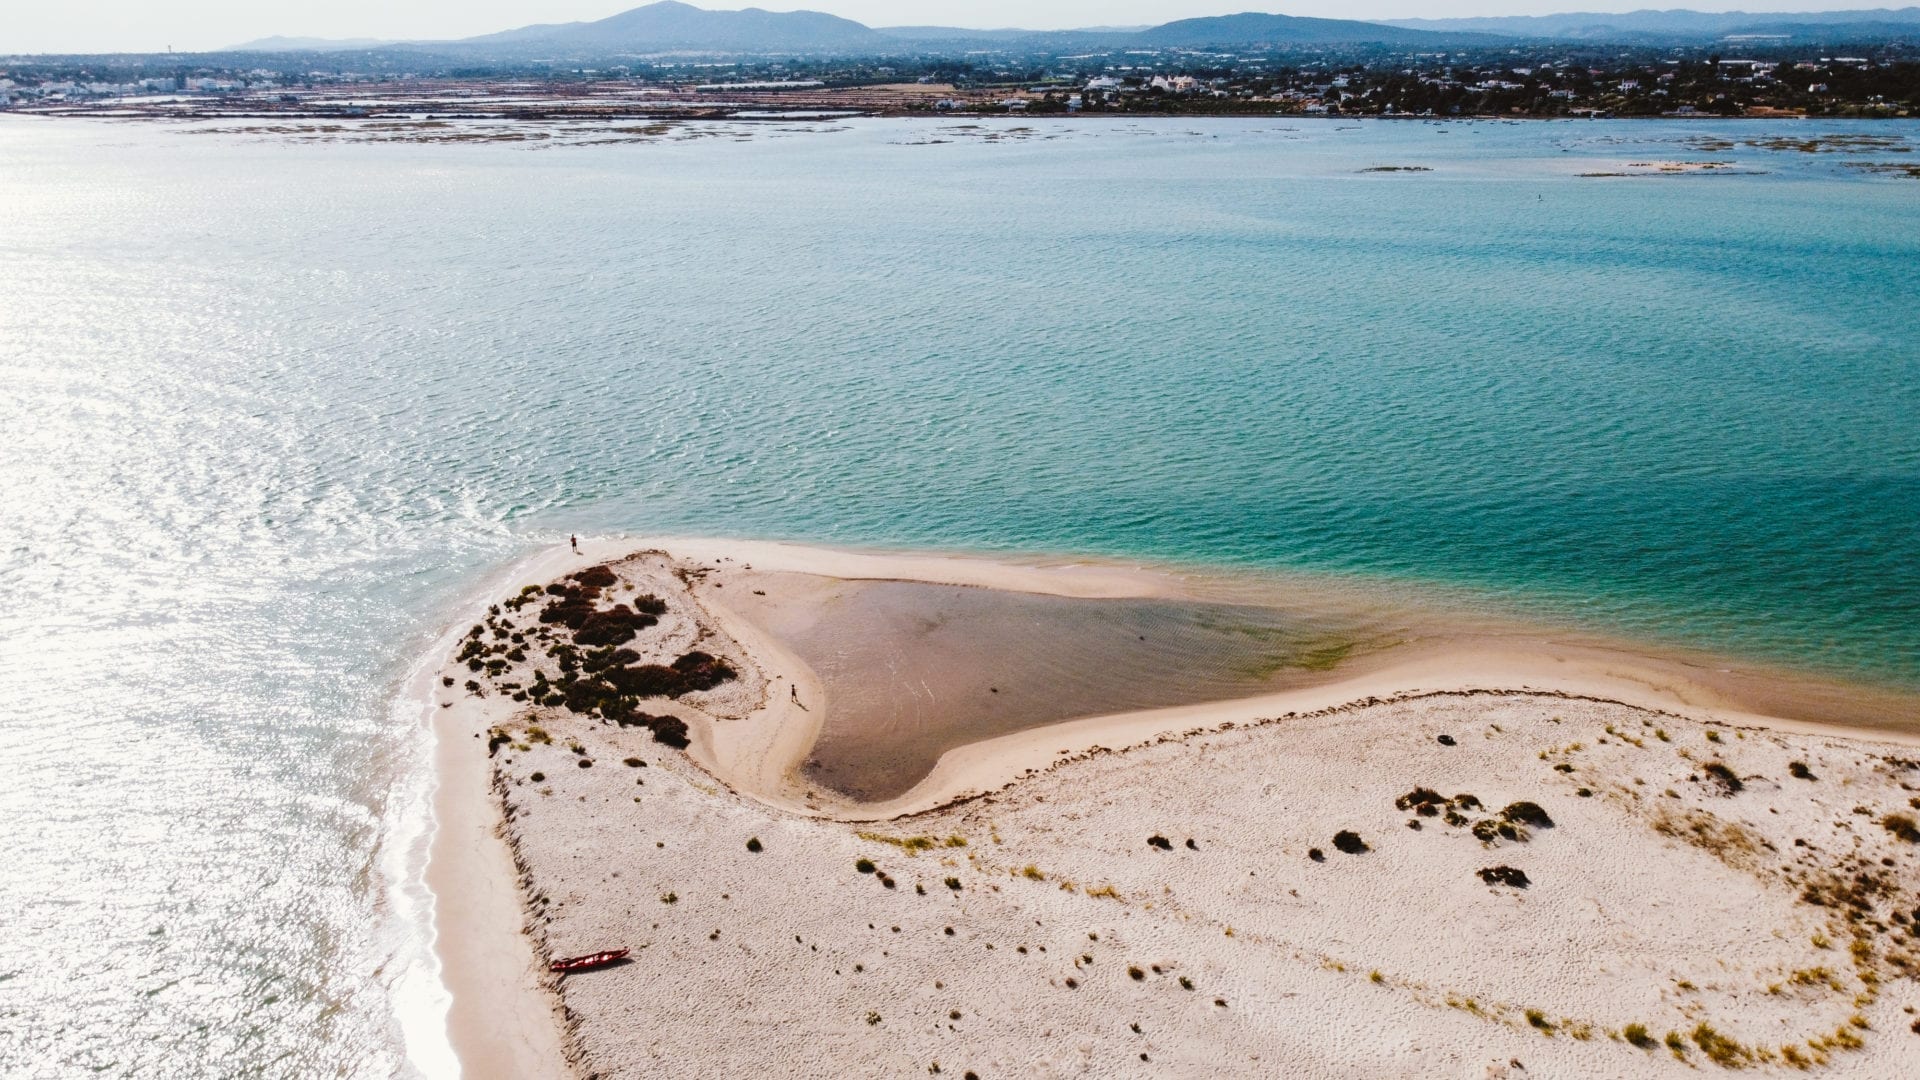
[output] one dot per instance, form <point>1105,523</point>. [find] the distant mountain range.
<point>671,26</point>
<point>1648,25</point>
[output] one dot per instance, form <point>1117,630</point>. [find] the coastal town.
<point>1726,79</point>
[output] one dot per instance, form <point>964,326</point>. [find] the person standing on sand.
<point>575,541</point>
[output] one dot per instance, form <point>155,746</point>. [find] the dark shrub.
<point>496,740</point>
<point>1527,813</point>
<point>702,672</point>
<point>1160,842</point>
<point>1799,771</point>
<point>667,730</point>
<point>612,626</point>
<point>537,777</point>
<point>1350,842</point>
<point>953,883</point>
<point>1723,776</point>
<point>753,844</point>
<point>599,577</point>
<point>1504,875</point>
<point>1420,796</point>
<point>865,866</point>
<point>586,763</point>
<point>1903,827</point>
<point>1316,854</point>
<point>1489,830</point>
<point>1444,740</point>
<point>1466,802</point>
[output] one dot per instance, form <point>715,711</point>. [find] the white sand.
<point>1666,910</point>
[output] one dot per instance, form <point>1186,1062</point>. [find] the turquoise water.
<point>270,408</point>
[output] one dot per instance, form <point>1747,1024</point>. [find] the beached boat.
<point>588,962</point>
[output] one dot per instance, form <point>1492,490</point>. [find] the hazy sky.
<point>146,26</point>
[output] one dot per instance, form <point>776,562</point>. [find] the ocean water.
<point>270,407</point>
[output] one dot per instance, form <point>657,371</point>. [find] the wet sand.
<point>847,665</point>
<point>912,670</point>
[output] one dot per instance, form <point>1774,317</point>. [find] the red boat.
<point>588,962</point>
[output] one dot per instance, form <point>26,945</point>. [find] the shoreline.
<point>500,999</point>
<point>1586,667</point>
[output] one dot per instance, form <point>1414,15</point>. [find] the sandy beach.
<point>1469,855</point>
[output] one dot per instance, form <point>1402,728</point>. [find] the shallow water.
<point>270,408</point>
<point>911,670</point>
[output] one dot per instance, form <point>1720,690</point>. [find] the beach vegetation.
<point>1505,875</point>
<point>1349,842</point>
<point>1032,873</point>
<point>1527,813</point>
<point>753,844</point>
<point>1661,734</point>
<point>1161,842</point>
<point>1422,800</point>
<point>537,777</point>
<point>913,845</point>
<point>1799,771</point>
<point>1136,974</point>
<point>1107,891</point>
<point>1636,1035</point>
<point>953,883</point>
<point>1720,774</point>
<point>1719,1049</point>
<point>865,866</point>
<point>1492,830</point>
<point>1903,827</point>
<point>1316,855</point>
<point>1539,1021</point>
<point>1676,1044</point>
<point>872,1017</point>
<point>669,898</point>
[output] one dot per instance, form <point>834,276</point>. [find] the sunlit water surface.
<point>269,411</point>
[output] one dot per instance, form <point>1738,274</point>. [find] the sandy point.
<point>1344,874</point>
